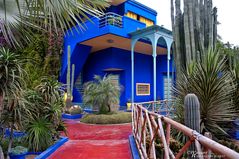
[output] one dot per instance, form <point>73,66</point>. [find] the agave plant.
<point>18,17</point>
<point>235,75</point>
<point>101,93</point>
<point>212,83</point>
<point>39,132</point>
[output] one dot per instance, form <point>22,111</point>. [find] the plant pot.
<point>69,116</point>
<point>19,156</point>
<point>129,106</point>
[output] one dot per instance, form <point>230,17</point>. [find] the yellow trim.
<point>132,15</point>
<point>146,21</point>
<point>144,94</point>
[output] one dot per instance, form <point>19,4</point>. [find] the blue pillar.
<point>132,69</point>
<point>154,45</point>
<point>168,67</point>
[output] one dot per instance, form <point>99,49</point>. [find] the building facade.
<point>113,44</point>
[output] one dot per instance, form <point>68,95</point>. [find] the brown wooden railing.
<point>162,107</point>
<point>148,125</point>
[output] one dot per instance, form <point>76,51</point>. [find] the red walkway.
<point>95,142</point>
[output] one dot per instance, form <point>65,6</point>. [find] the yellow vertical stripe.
<point>132,15</point>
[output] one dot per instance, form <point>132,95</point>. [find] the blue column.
<point>168,69</point>
<point>154,68</point>
<point>132,69</point>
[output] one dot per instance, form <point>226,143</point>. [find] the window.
<point>166,88</point>
<point>146,21</point>
<point>140,18</point>
<point>142,89</point>
<point>132,15</point>
<point>115,80</point>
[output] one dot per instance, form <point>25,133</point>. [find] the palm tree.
<point>18,17</point>
<point>101,93</point>
<point>211,81</point>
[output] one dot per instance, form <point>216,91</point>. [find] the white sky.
<point>228,13</point>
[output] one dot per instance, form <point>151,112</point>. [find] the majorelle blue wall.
<point>98,62</point>
<point>76,35</point>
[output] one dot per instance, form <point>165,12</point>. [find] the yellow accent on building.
<point>142,89</point>
<point>146,21</point>
<point>132,15</point>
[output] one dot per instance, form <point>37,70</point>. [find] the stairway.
<point>79,56</point>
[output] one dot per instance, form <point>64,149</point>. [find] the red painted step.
<point>88,141</point>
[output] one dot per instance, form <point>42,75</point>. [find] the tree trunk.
<point>1,103</point>
<point>1,153</point>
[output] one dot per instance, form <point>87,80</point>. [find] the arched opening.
<point>141,67</point>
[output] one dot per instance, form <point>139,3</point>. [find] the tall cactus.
<point>68,79</point>
<point>72,78</point>
<point>193,31</point>
<point>192,112</point>
<point>192,117</point>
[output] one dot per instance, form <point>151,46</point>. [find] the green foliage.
<point>39,133</point>
<point>75,110</point>
<point>101,94</point>
<point>175,146</point>
<point>34,53</point>
<point>20,17</point>
<point>112,118</point>
<point>11,73</point>
<point>18,150</point>
<point>230,144</point>
<point>16,142</point>
<point>212,83</point>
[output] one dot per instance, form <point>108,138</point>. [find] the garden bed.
<point>112,118</point>
<point>45,154</point>
<point>71,116</point>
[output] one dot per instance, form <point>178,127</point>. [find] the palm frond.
<point>19,17</point>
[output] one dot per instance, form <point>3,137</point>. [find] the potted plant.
<point>75,112</point>
<point>129,104</point>
<point>18,152</point>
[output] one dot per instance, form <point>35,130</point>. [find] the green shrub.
<point>213,84</point>
<point>40,132</point>
<point>75,110</point>
<point>18,150</point>
<point>112,118</point>
<point>229,144</point>
<point>101,94</point>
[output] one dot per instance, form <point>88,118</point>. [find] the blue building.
<point>127,43</point>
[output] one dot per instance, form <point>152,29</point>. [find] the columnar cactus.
<point>72,78</point>
<point>68,79</point>
<point>192,118</point>
<point>192,112</point>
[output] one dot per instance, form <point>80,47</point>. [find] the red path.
<point>95,142</point>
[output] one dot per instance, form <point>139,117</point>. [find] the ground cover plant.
<point>110,118</point>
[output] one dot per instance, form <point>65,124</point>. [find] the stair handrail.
<point>149,124</point>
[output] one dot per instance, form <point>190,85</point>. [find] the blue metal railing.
<point>111,18</point>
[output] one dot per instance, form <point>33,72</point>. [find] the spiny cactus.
<point>68,79</point>
<point>192,112</point>
<point>72,78</point>
<point>192,117</point>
